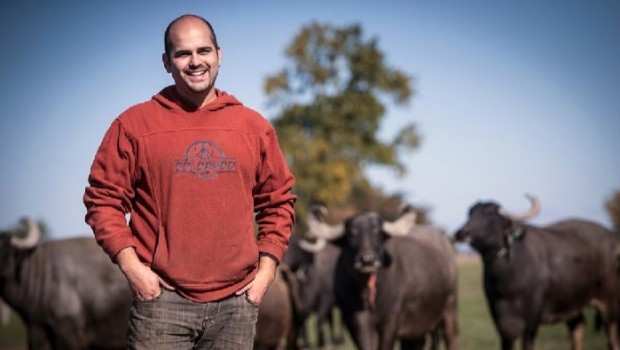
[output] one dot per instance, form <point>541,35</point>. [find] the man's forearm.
<point>127,260</point>
<point>267,267</point>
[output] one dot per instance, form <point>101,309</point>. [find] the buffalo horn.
<point>313,247</point>
<point>401,226</point>
<point>317,228</point>
<point>533,211</point>
<point>32,236</point>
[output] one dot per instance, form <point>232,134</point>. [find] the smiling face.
<point>193,60</point>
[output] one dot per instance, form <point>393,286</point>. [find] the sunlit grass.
<point>13,333</point>
<point>476,325</point>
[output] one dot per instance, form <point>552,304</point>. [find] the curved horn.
<point>401,226</point>
<point>318,228</point>
<point>310,247</point>
<point>534,210</point>
<point>32,236</point>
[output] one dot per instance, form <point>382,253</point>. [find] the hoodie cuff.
<point>261,254</point>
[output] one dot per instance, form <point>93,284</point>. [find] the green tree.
<point>613,209</point>
<point>330,98</point>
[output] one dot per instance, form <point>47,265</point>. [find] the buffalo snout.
<point>367,263</point>
<point>462,235</point>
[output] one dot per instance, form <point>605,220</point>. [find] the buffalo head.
<point>489,227</point>
<point>9,243</point>
<point>361,237</point>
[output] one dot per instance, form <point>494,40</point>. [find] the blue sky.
<point>512,96</point>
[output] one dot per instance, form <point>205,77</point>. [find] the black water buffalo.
<point>448,328</point>
<point>71,296</point>
<point>314,264</point>
<point>67,292</point>
<point>536,275</point>
<point>390,284</point>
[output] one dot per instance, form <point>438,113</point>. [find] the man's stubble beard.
<point>206,89</point>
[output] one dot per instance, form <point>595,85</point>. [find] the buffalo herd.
<point>381,282</point>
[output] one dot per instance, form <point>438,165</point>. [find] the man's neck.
<point>196,101</point>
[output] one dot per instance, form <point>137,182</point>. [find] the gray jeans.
<point>173,322</point>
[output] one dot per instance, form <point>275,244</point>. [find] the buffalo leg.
<point>325,321</point>
<point>38,338</point>
<point>612,335</point>
<point>356,324</point>
<point>291,338</point>
<point>611,327</point>
<point>610,321</point>
<point>321,322</point>
<point>302,339</point>
<point>435,336</point>
<point>449,324</point>
<point>527,342</point>
<point>507,344</point>
<point>608,312</point>
<point>577,329</point>
<point>388,332</point>
<point>69,337</point>
<point>337,328</point>
<point>412,344</point>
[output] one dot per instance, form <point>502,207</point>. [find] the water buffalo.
<point>67,292</point>
<point>391,284</point>
<point>71,296</point>
<point>275,326</point>
<point>536,275</point>
<point>430,235</point>
<point>314,264</point>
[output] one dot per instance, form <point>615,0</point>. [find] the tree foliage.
<point>613,209</point>
<point>330,97</point>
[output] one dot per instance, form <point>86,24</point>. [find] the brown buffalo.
<point>278,310</point>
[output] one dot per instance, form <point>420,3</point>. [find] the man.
<point>195,170</point>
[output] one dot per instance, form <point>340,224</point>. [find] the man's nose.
<point>195,60</point>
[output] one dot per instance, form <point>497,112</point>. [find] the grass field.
<point>475,325</point>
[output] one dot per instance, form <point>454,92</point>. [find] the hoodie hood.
<point>170,99</point>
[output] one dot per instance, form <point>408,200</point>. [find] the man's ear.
<point>166,60</point>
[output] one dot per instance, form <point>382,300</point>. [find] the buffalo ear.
<point>384,237</point>
<point>386,259</point>
<point>340,242</point>
<point>516,232</point>
<point>6,258</point>
<point>520,233</point>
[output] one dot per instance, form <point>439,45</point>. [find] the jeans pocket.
<point>161,292</point>
<point>247,298</point>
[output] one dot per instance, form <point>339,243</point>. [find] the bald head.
<point>189,17</point>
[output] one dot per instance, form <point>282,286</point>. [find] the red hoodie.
<point>194,182</point>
